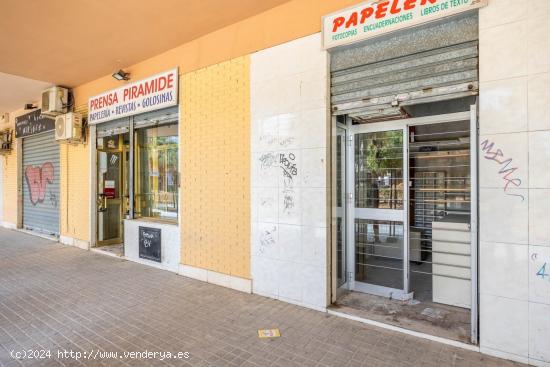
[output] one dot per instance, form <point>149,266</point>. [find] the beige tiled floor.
<point>59,298</point>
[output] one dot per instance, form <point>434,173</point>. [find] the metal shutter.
<point>159,117</point>
<point>110,128</point>
<point>41,175</point>
<point>429,63</point>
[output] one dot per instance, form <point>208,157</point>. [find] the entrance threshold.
<point>110,250</point>
<point>342,312</point>
<point>50,237</point>
<point>419,317</point>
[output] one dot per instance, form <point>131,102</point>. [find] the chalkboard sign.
<point>149,243</point>
<point>33,123</point>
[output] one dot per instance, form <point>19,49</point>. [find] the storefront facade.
<point>135,153</point>
<point>39,172</point>
<point>306,164</point>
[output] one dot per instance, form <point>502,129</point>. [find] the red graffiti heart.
<point>37,178</point>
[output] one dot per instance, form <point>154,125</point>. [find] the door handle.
<point>101,203</point>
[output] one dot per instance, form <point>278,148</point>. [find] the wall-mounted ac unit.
<point>68,127</point>
<point>54,101</point>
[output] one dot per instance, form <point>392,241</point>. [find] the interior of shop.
<point>422,171</point>
<point>402,106</point>
<point>155,177</point>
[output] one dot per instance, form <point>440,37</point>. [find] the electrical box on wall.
<point>68,127</point>
<point>55,101</point>
<point>5,141</point>
<point>4,118</point>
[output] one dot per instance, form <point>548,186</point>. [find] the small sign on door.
<point>109,189</point>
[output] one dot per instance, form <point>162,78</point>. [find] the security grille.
<point>432,63</point>
<point>41,174</point>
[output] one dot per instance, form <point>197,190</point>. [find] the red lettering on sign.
<point>104,101</point>
<point>337,23</point>
<point>423,2</point>
<point>409,4</point>
<point>352,20</point>
<point>381,9</point>
<point>152,86</point>
<point>162,83</point>
<point>170,82</point>
<point>366,13</point>
<point>394,8</point>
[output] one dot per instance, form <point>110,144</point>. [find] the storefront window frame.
<point>131,169</point>
<point>135,174</point>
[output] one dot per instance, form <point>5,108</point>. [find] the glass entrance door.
<point>406,210</point>
<point>112,189</point>
<point>377,229</point>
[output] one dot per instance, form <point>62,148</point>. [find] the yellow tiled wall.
<point>215,167</point>
<point>10,178</point>
<point>75,190</point>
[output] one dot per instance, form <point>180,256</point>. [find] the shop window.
<point>156,172</point>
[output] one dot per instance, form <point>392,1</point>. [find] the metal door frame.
<point>346,284</point>
<point>376,214</point>
<point>404,124</point>
<point>123,167</point>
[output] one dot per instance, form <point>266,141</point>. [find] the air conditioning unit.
<point>68,127</point>
<point>54,101</point>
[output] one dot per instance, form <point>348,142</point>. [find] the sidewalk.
<point>57,298</point>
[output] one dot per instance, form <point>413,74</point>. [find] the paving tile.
<point>64,298</point>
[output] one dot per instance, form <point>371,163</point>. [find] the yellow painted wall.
<point>215,167</point>
<point>10,176</point>
<point>75,189</point>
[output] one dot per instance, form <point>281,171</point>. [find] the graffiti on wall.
<point>288,166</point>
<point>506,167</point>
<point>289,171</point>
<point>267,160</point>
<point>38,177</point>
<point>53,199</point>
<point>268,238</point>
<point>542,270</point>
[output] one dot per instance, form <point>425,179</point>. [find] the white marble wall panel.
<point>504,324</point>
<point>539,334</point>
<point>539,159</point>
<point>289,151</point>
<point>504,270</point>
<point>504,105</point>
<point>539,217</point>
<point>514,230</point>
